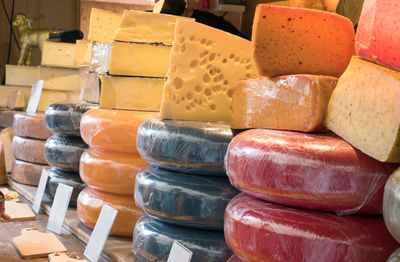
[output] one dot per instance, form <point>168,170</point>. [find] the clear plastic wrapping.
<point>320,172</point>
<point>27,173</point>
<point>90,86</point>
<point>391,204</point>
<point>30,150</point>
<point>31,125</point>
<point>152,241</point>
<point>185,146</point>
<point>260,231</point>
<point>183,200</point>
<point>101,53</point>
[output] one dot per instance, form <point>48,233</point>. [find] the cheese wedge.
<point>103,25</point>
<point>6,93</point>
<point>58,54</point>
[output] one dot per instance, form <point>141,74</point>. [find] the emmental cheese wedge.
<point>131,93</point>
<point>295,102</point>
<point>139,59</point>
<point>59,54</point>
<point>290,40</point>
<point>365,109</point>
<point>103,25</point>
<point>205,64</point>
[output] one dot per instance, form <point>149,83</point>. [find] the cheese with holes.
<point>6,93</point>
<point>294,102</point>
<point>58,54</point>
<point>279,233</point>
<point>90,202</point>
<point>28,149</point>
<point>205,64</point>
<point>139,59</point>
<point>290,41</point>
<point>378,36</point>
<point>27,173</point>
<point>365,109</point>
<point>18,75</point>
<point>83,53</point>
<point>146,27</point>
<point>32,126</point>
<point>131,93</point>
<point>109,171</point>
<point>103,25</point>
<point>114,130</point>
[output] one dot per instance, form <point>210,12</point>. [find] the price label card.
<point>179,253</point>
<point>100,233</point>
<point>34,99</point>
<point>59,208</point>
<point>40,191</point>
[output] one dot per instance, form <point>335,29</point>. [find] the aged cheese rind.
<point>58,54</point>
<point>31,125</point>
<point>30,150</point>
<point>365,109</point>
<point>7,118</point>
<point>103,25</point>
<point>391,208</point>
<point>205,63</point>
<point>27,173</point>
<point>290,40</point>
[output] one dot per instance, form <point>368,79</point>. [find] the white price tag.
<point>59,208</point>
<point>40,191</point>
<point>100,233</point>
<point>179,253</point>
<point>34,100</point>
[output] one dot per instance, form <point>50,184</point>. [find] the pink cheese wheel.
<point>6,118</point>
<point>260,231</point>
<point>31,125</point>
<point>30,150</point>
<point>320,172</point>
<point>27,173</point>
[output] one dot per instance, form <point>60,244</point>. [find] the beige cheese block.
<point>21,75</point>
<point>83,53</point>
<point>103,25</point>
<point>145,27</point>
<point>59,79</point>
<point>27,173</point>
<point>131,93</point>
<point>134,59</point>
<point>29,150</point>
<point>50,97</point>
<point>59,54</point>
<point>7,92</point>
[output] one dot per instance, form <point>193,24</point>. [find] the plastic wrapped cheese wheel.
<point>319,172</point>
<point>64,151</point>
<point>31,125</point>
<point>152,241</point>
<point>91,201</point>
<point>182,199</point>
<point>256,230</point>
<point>7,118</point>
<point>113,130</point>
<point>72,179</point>
<point>66,117</point>
<point>395,257</point>
<point>27,173</point>
<point>30,150</point>
<point>109,171</point>
<point>185,146</point>
<point>391,204</point>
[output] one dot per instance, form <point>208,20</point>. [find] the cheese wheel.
<point>260,231</point>
<point>391,207</point>
<point>91,201</point>
<point>109,171</point>
<point>7,118</point>
<point>318,172</point>
<point>65,118</point>
<point>185,146</point>
<point>64,151</point>
<point>152,241</point>
<point>30,150</point>
<point>114,130</point>
<point>395,256</point>
<point>72,179</point>
<point>27,173</point>
<point>31,125</point>
<point>183,200</point>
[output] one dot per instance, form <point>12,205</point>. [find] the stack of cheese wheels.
<point>63,150</point>
<point>28,148</point>
<point>305,195</point>
<point>184,192</point>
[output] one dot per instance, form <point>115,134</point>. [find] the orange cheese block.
<point>90,202</point>
<point>27,173</point>
<point>289,40</point>
<point>113,130</point>
<point>6,118</point>
<point>30,150</point>
<point>32,126</point>
<point>109,171</point>
<point>294,102</point>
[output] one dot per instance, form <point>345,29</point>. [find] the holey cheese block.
<point>391,205</point>
<point>205,63</point>
<point>365,109</point>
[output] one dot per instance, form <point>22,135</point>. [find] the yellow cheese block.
<point>6,93</point>
<point>60,79</point>
<point>59,54</point>
<point>21,75</point>
<point>294,102</point>
<point>365,109</point>
<point>137,59</point>
<point>131,93</point>
<point>145,27</point>
<point>103,25</point>
<point>205,64</point>
<point>50,97</point>
<point>83,53</point>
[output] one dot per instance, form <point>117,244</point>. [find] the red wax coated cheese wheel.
<point>27,173</point>
<point>110,171</point>
<point>318,172</point>
<point>32,126</point>
<point>30,150</point>
<point>91,201</point>
<point>6,118</point>
<point>113,130</point>
<point>260,231</point>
